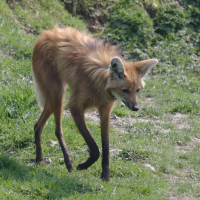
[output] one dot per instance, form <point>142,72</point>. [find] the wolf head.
<point>125,80</point>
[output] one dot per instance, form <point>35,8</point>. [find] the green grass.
<point>152,137</point>
<point>34,16</point>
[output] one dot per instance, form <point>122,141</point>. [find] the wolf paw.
<point>41,163</point>
<point>105,177</point>
<point>81,166</point>
<point>69,168</point>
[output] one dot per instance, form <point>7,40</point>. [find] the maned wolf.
<point>97,75</point>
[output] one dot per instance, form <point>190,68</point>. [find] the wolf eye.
<point>138,90</point>
<point>125,90</point>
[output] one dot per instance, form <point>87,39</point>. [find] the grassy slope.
<point>153,141</point>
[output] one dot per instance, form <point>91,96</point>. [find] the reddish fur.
<point>66,57</point>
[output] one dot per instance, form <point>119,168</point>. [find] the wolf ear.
<point>144,66</point>
<point>116,68</point>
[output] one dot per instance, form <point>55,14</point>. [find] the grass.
<point>154,135</point>
<point>34,16</point>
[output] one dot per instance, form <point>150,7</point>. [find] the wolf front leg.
<point>105,113</point>
<point>78,116</point>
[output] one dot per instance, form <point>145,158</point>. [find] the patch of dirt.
<point>185,176</point>
<point>173,178</point>
<point>183,198</point>
<point>31,164</point>
<point>4,54</point>
<point>114,152</point>
<point>195,140</point>
<point>150,167</point>
<point>52,143</point>
<point>192,145</point>
<point>180,120</point>
<point>149,100</point>
<point>93,13</point>
<point>132,120</point>
<point>46,160</point>
<point>93,117</point>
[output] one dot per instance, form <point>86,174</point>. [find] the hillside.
<point>155,152</point>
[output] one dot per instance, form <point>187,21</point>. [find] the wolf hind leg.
<point>38,128</point>
<point>57,110</point>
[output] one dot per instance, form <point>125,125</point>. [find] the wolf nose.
<point>135,108</point>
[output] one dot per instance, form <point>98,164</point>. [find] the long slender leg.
<point>94,150</point>
<point>105,112</point>
<point>59,135</point>
<point>38,128</point>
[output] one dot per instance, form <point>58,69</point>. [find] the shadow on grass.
<point>32,182</point>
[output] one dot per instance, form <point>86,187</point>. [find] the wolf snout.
<point>132,107</point>
<point>135,108</point>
